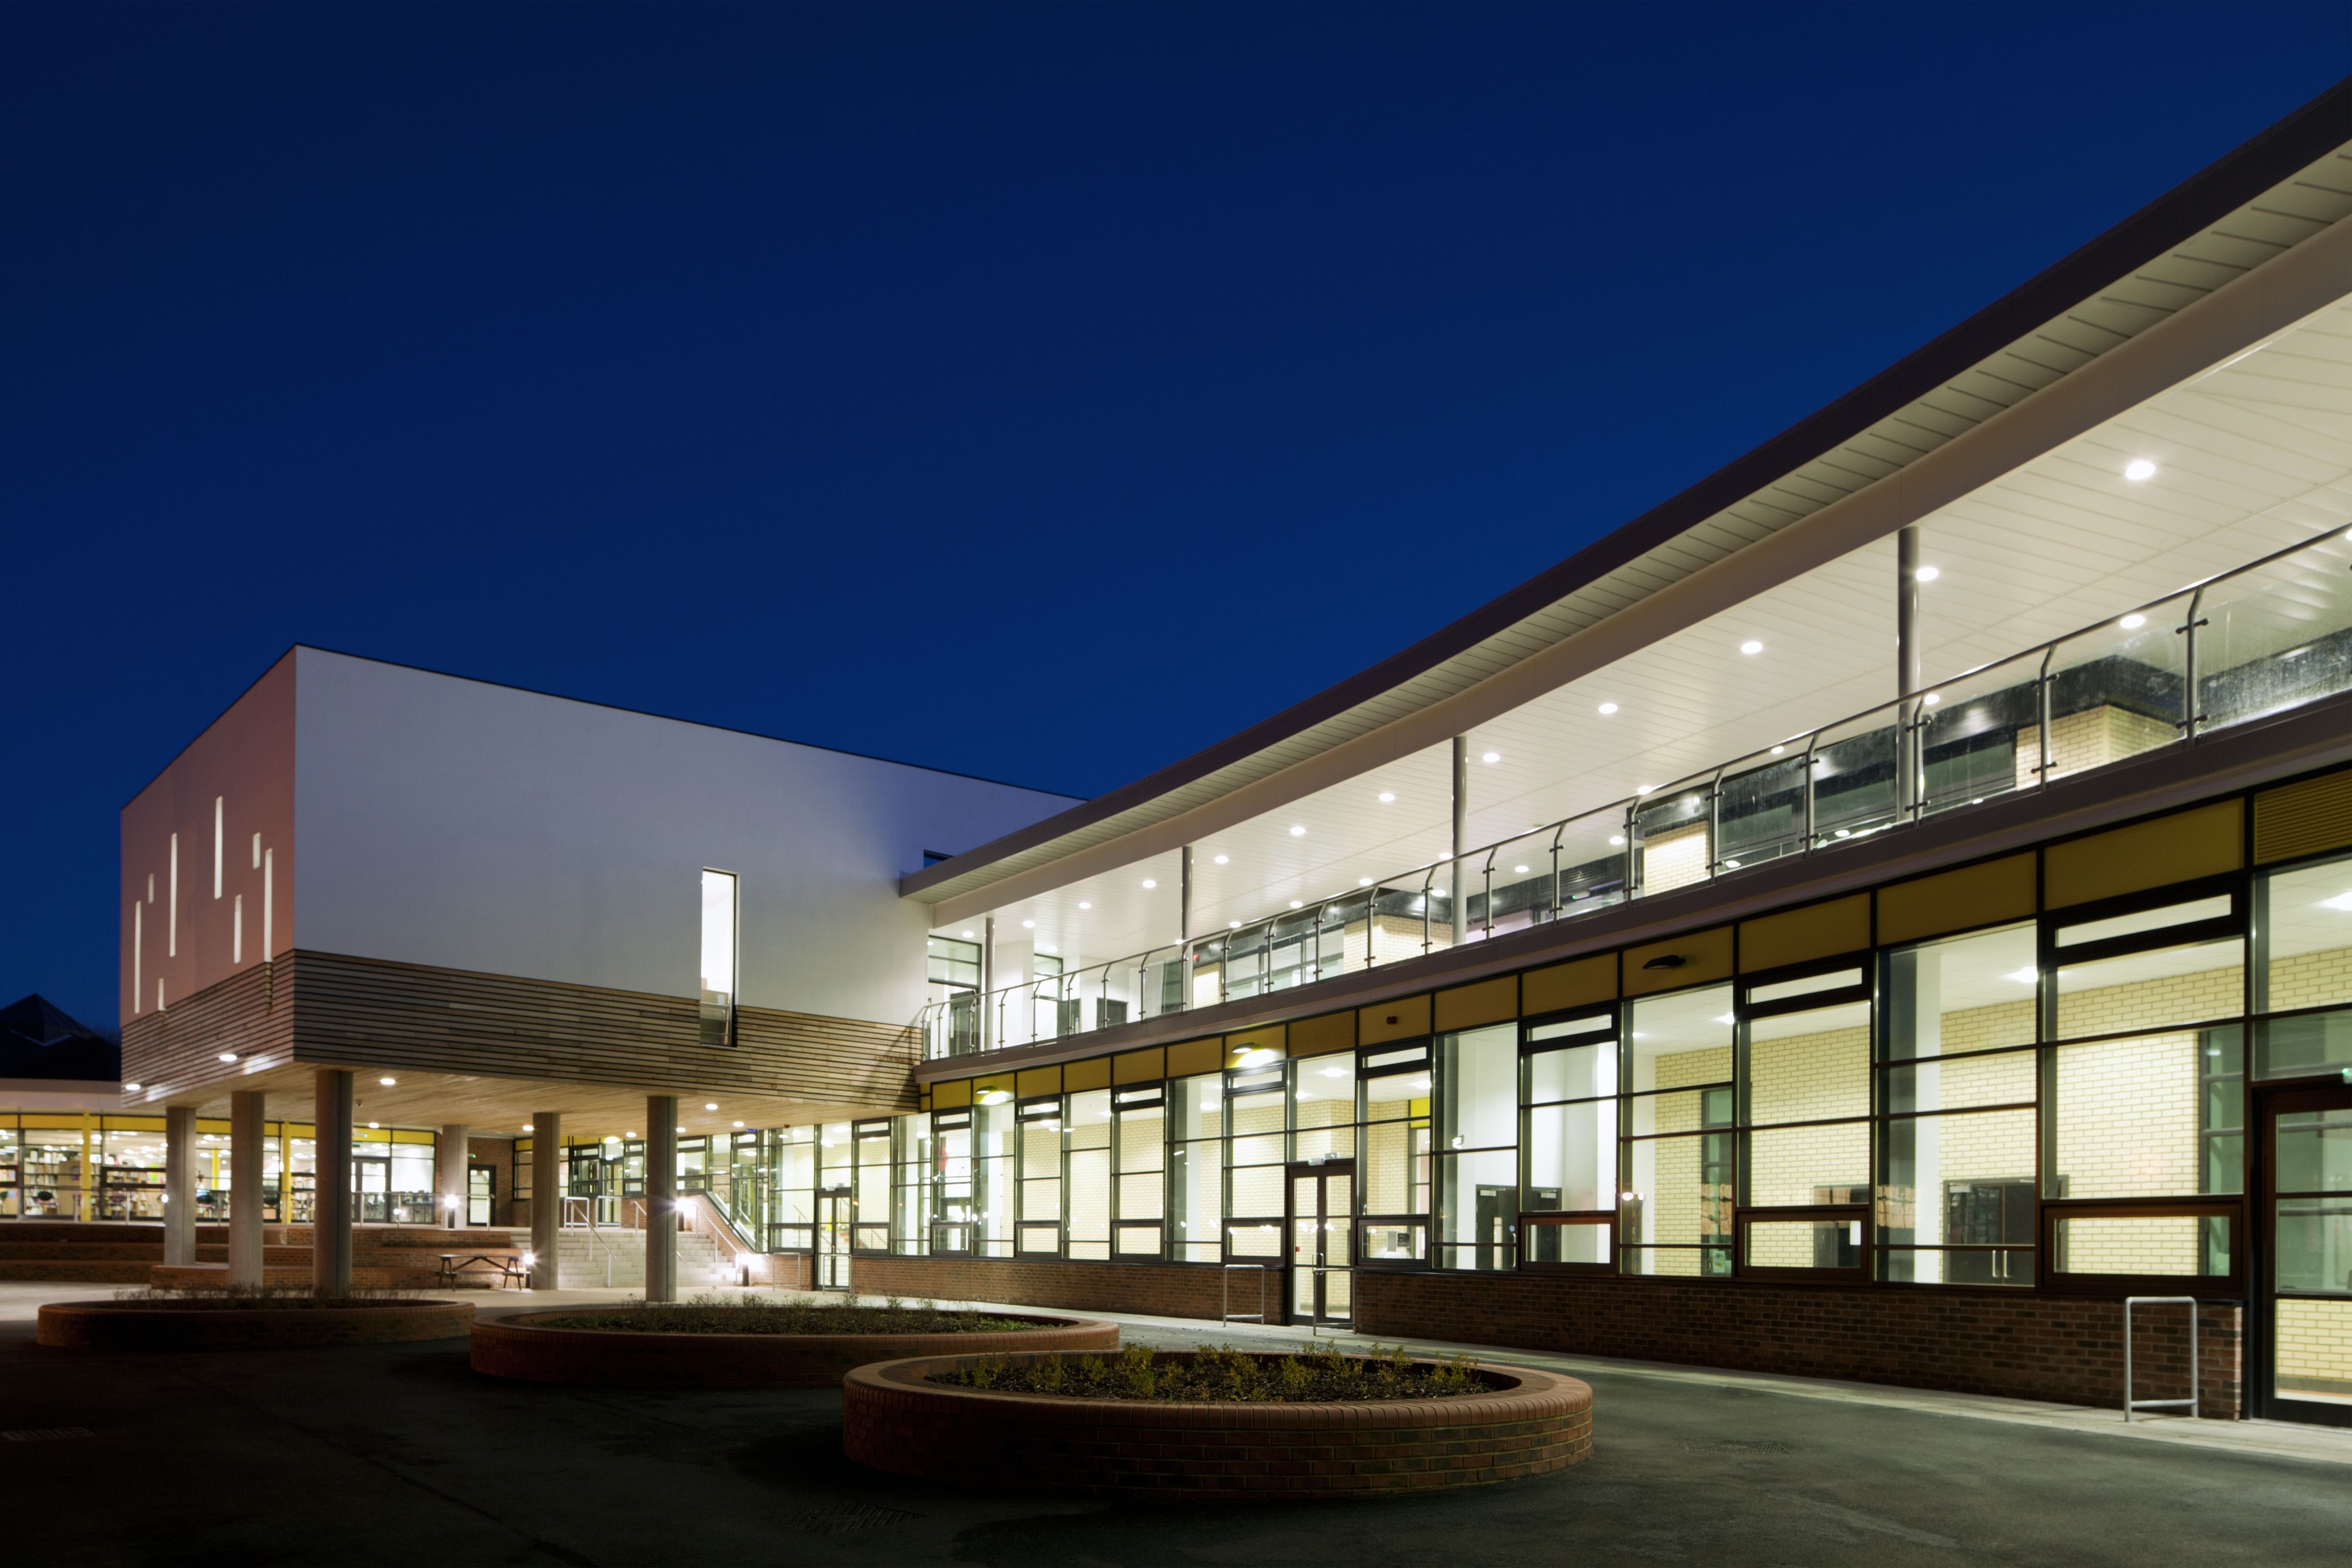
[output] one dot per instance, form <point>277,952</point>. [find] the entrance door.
<point>2310,1295</point>
<point>481,1193</point>
<point>371,1182</point>
<point>834,1215</point>
<point>1322,1242</point>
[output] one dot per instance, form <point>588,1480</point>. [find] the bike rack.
<point>1261,1271</point>
<point>2130,1404</point>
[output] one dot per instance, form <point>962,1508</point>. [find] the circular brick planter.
<point>519,1347</point>
<point>171,1326</point>
<point>895,1420</point>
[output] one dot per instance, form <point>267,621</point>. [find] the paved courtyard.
<point>402,1454</point>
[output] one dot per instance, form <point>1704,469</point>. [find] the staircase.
<point>593,1259</point>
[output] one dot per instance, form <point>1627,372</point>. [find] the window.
<point>954,963</point>
<point>718,953</point>
<point>1196,1178</point>
<point>1568,1125</point>
<point>2303,928</point>
<point>1477,1149</point>
<point>791,1216</point>
<point>870,1182</point>
<point>994,1140</point>
<point>1393,1170</point>
<point>1141,1152</point>
<point>955,1206</point>
<point>1038,1142</point>
<point>1255,1098</point>
<point>1958,1083</point>
<point>1674,1208</point>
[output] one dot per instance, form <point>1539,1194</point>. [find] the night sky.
<point>1037,392</point>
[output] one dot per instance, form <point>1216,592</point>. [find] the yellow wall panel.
<point>1982,895</point>
<point>1270,1038</point>
<point>1077,1076</point>
<point>949,1096</point>
<point>2307,818</point>
<point>1487,1002</point>
<point>1140,1067</point>
<point>1399,1020</point>
<point>1577,984</point>
<point>1706,955</point>
<point>1194,1058</point>
<point>1322,1036</point>
<point>994,1083</point>
<point>1033,1082</point>
<point>2176,848</point>
<point>1817,931</point>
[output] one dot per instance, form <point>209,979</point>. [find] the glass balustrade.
<point>2255,642</point>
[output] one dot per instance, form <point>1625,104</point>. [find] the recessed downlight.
<point>1233,925</point>
<point>1608,707</point>
<point>2132,623</point>
<point>1926,574</point>
<point>710,1105</point>
<point>1491,757</point>
<point>387,1082</point>
<point>1151,882</point>
<point>2138,469</point>
<point>1751,646</point>
<point>1084,905</point>
<point>134,1088</point>
<point>1387,795</point>
<point>1778,750</point>
<point>1363,881</point>
<point>968,933</point>
<point>1297,831</point>
<point>1028,925</point>
<point>1221,859</point>
<point>228,1055</point>
<point>1296,904</point>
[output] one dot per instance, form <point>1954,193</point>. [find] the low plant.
<point>758,1315</point>
<point>1214,1375</point>
<point>280,1296</point>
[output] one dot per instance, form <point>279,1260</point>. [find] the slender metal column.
<point>330,1196</point>
<point>1184,896</point>
<point>450,1176</point>
<point>1909,669</point>
<point>661,1197</point>
<point>546,1196</point>
<point>244,1196</point>
<point>988,1030</point>
<point>1461,830</point>
<point>179,1183</point>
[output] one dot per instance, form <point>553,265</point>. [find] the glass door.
<point>834,1217</point>
<point>2310,1299</point>
<point>1322,1223</point>
<point>371,1181</point>
<point>481,1193</point>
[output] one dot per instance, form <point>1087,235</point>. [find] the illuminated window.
<point>719,951</point>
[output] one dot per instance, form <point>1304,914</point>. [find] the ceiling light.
<point>2025,976</point>
<point>1233,925</point>
<point>1492,757</point>
<point>1645,789</point>
<point>1150,882</point>
<point>1223,858</point>
<point>526,1126</point>
<point>374,1124</point>
<point>1387,795</point>
<point>1731,865</point>
<point>228,1055</point>
<point>1293,903</point>
<point>1335,1072</point>
<point>2139,468</point>
<point>1926,574</point>
<point>1616,838</point>
<point>1084,906</point>
<point>1608,707</point>
<point>1363,881</point>
<point>1518,871</point>
<point>1727,1018</point>
<point>1778,750</point>
<point>1751,646</point>
<point>1028,925</point>
<point>2340,901</point>
<point>134,1088</point>
<point>739,1124</point>
<point>710,1105</point>
<point>1845,833</point>
<point>967,934</point>
<point>1296,831</point>
<point>2132,623</point>
<point>1933,699</point>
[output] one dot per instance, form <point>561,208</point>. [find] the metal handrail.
<point>1910,807</point>
<point>2130,1404</point>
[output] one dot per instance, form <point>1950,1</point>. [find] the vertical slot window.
<point>718,953</point>
<point>220,841</point>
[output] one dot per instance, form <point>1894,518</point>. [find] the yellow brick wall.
<point>2315,1347</point>
<point>1675,860</point>
<point>2143,1245</point>
<point>2088,740</point>
<point>1984,1029</point>
<point>2151,1004</point>
<point>2311,979</point>
<point>2126,1117</point>
<point>1810,1077</point>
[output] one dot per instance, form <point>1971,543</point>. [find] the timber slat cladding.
<point>360,1011</point>
<point>183,1043</point>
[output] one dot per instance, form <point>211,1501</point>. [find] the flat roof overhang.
<point>2167,293</point>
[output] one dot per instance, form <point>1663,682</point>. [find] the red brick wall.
<point>1166,1291</point>
<point>2063,1349</point>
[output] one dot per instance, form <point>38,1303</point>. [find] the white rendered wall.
<point>467,826</point>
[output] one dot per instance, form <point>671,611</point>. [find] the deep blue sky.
<point>1038,393</point>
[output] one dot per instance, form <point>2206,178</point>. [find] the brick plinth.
<point>175,1326</point>
<point>894,1420</point>
<point>2067,1349</point>
<point>1163,1289</point>
<point>522,1346</point>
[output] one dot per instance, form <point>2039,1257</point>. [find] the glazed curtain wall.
<point>2054,1099</point>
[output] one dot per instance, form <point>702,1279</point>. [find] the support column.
<point>179,1183</point>
<point>1184,898</point>
<point>246,1201</point>
<point>988,1030</point>
<point>661,1197</point>
<point>1909,668</point>
<point>1455,880</point>
<point>546,1195</point>
<point>449,1177</point>
<point>330,1197</point>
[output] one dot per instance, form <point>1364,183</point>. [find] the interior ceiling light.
<point>228,1055</point>
<point>1233,925</point>
<point>1751,646</point>
<point>1492,757</point>
<point>1363,881</point>
<point>1387,795</point>
<point>1934,697</point>
<point>1150,882</point>
<point>2340,901</point>
<point>739,1124</point>
<point>1221,859</point>
<point>1028,925</point>
<point>387,1082</point>
<point>1518,871</point>
<point>1084,905</point>
<point>1293,903</point>
<point>1645,789</point>
<point>2132,623</point>
<point>2025,976</point>
<point>967,934</point>
<point>710,1105</point>
<point>1296,831</point>
<point>1616,838</point>
<point>2139,468</point>
<point>1926,574</point>
<point>1778,750</point>
<point>1608,707</point>
<point>134,1087</point>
